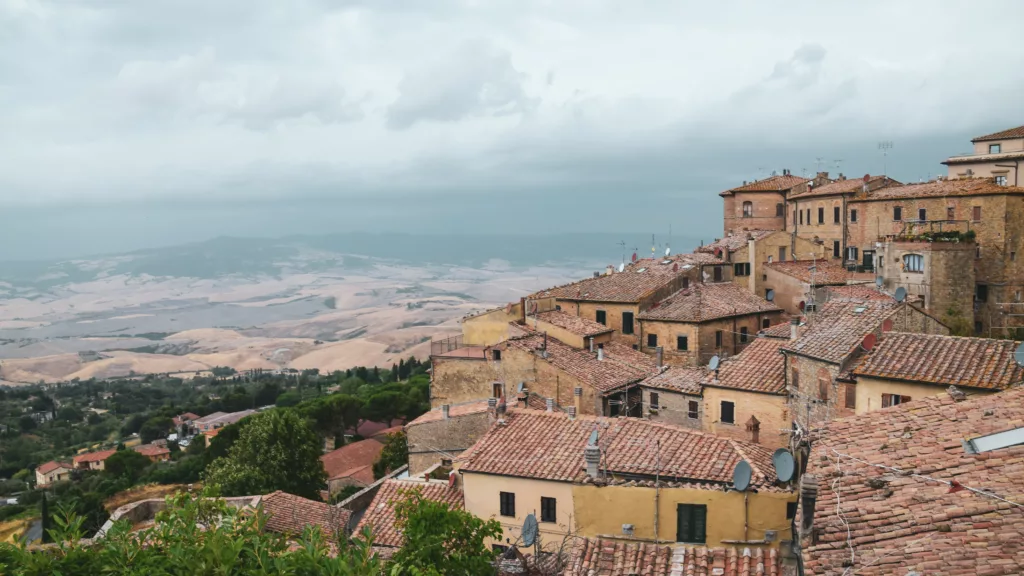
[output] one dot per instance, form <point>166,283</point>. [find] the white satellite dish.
<point>622,267</point>
<point>901,294</point>
<point>668,251</point>
<point>713,363</point>
<point>770,295</point>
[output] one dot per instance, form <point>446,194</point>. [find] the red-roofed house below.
<point>53,471</point>
<point>791,282</point>
<point>746,251</point>
<point>154,453</point>
<point>380,515</point>
<point>608,557</point>
<point>92,460</point>
<point>352,464</point>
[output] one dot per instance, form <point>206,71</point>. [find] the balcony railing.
<point>438,347</point>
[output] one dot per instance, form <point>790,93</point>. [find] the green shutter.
<point>683,524</point>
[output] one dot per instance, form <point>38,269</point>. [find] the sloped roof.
<point>943,360</point>
<point>549,446</point>
<point>702,302</point>
<point>682,379</point>
<point>847,186</point>
<point>98,456</point>
<point>636,281</point>
<point>860,292</point>
<point>1017,132</point>
<point>734,241</point>
<point>621,365</point>
<point>781,330</point>
<point>454,411</point>
<point>151,450</point>
<point>575,324</point>
<point>940,188</point>
<point>52,465</point>
<point>597,557</point>
<point>770,184</point>
<point>380,515</point>
<point>898,522</point>
<point>838,328</point>
<point>290,514</point>
<point>186,417</point>
<point>352,458</point>
<point>760,367</point>
<point>825,271</point>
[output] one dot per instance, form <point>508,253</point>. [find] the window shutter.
<point>683,524</point>
<point>700,522</point>
<point>886,400</point>
<point>823,386</point>
<point>904,399</point>
<point>851,396</point>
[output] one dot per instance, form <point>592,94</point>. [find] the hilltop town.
<point>833,386</point>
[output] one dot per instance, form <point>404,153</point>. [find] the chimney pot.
<point>592,455</point>
<point>597,274</point>
<point>492,403</point>
<point>600,354</point>
<point>659,356</point>
<point>444,410</point>
<point>591,344</point>
<point>572,412</point>
<point>794,328</point>
<point>550,403</point>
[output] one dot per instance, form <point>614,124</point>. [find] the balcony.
<point>933,231</point>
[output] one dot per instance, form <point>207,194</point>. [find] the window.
<point>824,383</point>
<point>741,269</point>
<point>853,215</point>
<point>682,343</point>
<point>1013,256</point>
<point>693,410</point>
<point>796,378</point>
<point>981,293</point>
<point>743,334</point>
<point>499,549</point>
<point>801,216</point>
<point>496,355</point>
<point>950,213</point>
<point>835,248</point>
<point>558,307</point>
<point>780,210</point>
<point>728,412</point>
<point>497,390</point>
<point>791,508</point>
<point>995,148</point>
<point>766,323</point>
<point>978,328</point>
<point>654,400</point>
<point>1001,179</point>
<point>686,283</point>
<point>547,509</point>
<point>691,523</point>
<point>977,252</point>
<point>893,400</point>
<point>808,215</point>
<point>922,214</point>
<point>794,218</point>
<point>718,274</point>
<point>627,322</point>
<point>601,317</point>
<point>851,396</point>
<point>835,214</point>
<point>913,263</point>
<point>782,253</point>
<point>851,253</point>
<point>821,215</point>
<point>652,340</point>
<point>976,213</point>
<point>508,503</point>
<point>718,338</point>
<point>897,213</point>
<point>748,209</point>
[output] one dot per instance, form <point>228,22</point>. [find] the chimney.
<point>591,344</point>
<point>600,352</point>
<point>841,177</point>
<point>492,410</point>
<point>808,498</point>
<point>592,455</point>
<point>659,356</point>
<point>577,399</point>
<point>794,328</point>
<point>444,411</point>
<point>597,274</point>
<point>572,412</point>
<point>754,427</point>
<point>550,402</point>
<point>609,270</point>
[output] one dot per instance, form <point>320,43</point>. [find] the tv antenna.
<point>622,244</point>
<point>885,146</point>
<point>818,161</point>
<point>838,161</point>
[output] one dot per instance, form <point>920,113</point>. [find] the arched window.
<point>913,263</point>
<point>748,209</point>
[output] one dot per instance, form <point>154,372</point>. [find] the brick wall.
<point>763,216</point>
<point>451,436</point>
<point>613,314</point>
<point>946,282</point>
<point>828,230</point>
<point>457,380</point>
<point>702,341</point>
<point>771,410</point>
<point>673,408</point>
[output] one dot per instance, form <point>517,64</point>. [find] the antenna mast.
<point>885,146</point>
<point>622,243</point>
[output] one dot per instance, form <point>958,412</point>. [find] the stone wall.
<point>427,440</point>
<point>457,380</point>
<point>702,341</point>
<point>764,215</point>
<point>771,410</point>
<point>673,408</point>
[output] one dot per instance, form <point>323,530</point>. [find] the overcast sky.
<point>480,103</point>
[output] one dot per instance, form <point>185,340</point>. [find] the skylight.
<point>994,441</point>
<point>859,309</point>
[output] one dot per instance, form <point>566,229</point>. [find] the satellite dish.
<point>530,530</point>
<point>593,438</point>
<point>867,178</point>
<point>741,476</point>
<point>668,251</point>
<point>770,295</point>
<point>901,294</point>
<point>713,363</point>
<point>622,267</point>
<point>1018,355</point>
<point>634,256</point>
<point>784,465</point>
<point>519,388</point>
<point>869,342</point>
<point>802,305</point>
<point>879,281</point>
<point>451,479</point>
<point>887,325</point>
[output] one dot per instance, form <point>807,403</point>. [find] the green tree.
<point>125,464</point>
<point>267,394</point>
<point>385,407</point>
<point>394,455</point>
<point>439,540</point>
<point>44,514</point>
<point>277,450</point>
<point>288,399</point>
<point>155,428</point>
<point>333,414</point>
<point>26,423</point>
<point>69,414</point>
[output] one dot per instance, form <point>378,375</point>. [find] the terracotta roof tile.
<point>549,446</point>
<point>1017,132</point>
<point>352,458</point>
<point>941,188</point>
<point>704,302</point>
<point>734,241</point>
<point>770,184</point>
<point>596,557</point>
<point>638,280</point>
<point>621,365</point>
<point>943,360</point>
<point>760,367</point>
<point>900,523</point>
<point>975,158</point>
<point>838,329</point>
<point>537,402</point>
<point>149,450</point>
<point>858,292</point>
<point>454,411</point>
<point>98,456</point>
<point>781,330</point>
<point>290,514</point>
<point>380,515</point>
<point>52,465</point>
<point>682,379</point>
<point>186,417</point>
<point>825,271</point>
<point>575,324</point>
<point>846,186</point>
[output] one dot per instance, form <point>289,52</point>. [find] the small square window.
<point>766,323</point>
<point>496,355</point>
<point>718,338</point>
<point>558,307</point>
<point>601,317</point>
<point>728,412</point>
<point>693,410</point>
<point>507,501</point>
<point>922,214</point>
<point>652,340</point>
<point>981,292</point>
<point>1000,180</point>
<point>780,210</point>
<point>835,248</point>
<point>654,400</point>
<point>950,212</point>
<point>853,215</point>
<point>897,213</point>
<point>743,334</point>
<point>627,322</point>
<point>548,509</point>
<point>835,214</point>
<point>682,343</point>
<point>995,148</point>
<point>821,215</point>
<point>976,213</point>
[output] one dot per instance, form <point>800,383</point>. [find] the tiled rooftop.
<point>838,328</point>
<point>549,446</point>
<point>150,450</point>
<point>703,302</point>
<point>223,418</point>
<point>682,379</point>
<point>846,186</point>
<point>454,411</point>
<point>596,557</point>
<point>98,456</point>
<point>638,280</point>
<point>760,367</point>
<point>825,271</point>
<point>186,417</point>
<point>380,516</point>
<point>859,292</point>
<point>52,465</point>
<point>1017,132</point>
<point>621,365</point>
<point>771,183</point>
<point>289,514</point>
<point>942,188</point>
<point>352,460</point>
<point>943,360</point>
<point>781,330</point>
<point>575,324</point>
<point>900,523</point>
<point>734,241</point>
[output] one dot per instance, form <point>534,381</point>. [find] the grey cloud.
<point>803,68</point>
<point>477,79</point>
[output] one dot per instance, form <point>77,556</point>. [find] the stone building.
<point>937,275</point>
<point>995,156</point>
<point>441,434</point>
<point>703,321</point>
<point>747,251</point>
<point>760,204</point>
<point>798,285</point>
<point>675,396</point>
